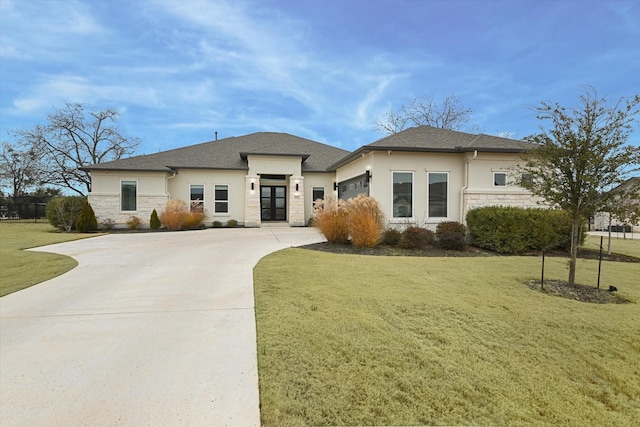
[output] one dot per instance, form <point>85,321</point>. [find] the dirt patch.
<point>583,293</point>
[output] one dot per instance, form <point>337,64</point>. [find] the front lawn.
<point>21,269</point>
<point>365,340</point>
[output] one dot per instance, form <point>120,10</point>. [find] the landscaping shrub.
<point>154,221</point>
<point>174,214</point>
<point>513,230</point>
<point>416,238</point>
<point>108,223</point>
<point>86,221</point>
<point>391,237</point>
<point>133,223</point>
<point>217,224</point>
<point>331,218</point>
<point>62,212</point>
<point>451,235</point>
<point>232,223</point>
<point>365,221</point>
<point>193,220</point>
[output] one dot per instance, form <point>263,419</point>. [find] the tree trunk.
<point>575,232</point>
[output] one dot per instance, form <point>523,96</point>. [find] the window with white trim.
<point>128,195</point>
<point>402,194</point>
<point>438,194</point>
<point>196,197</point>
<point>221,198</point>
<point>499,179</point>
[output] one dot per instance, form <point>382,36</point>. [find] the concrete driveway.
<point>152,329</point>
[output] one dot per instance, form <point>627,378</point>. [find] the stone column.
<point>252,201</point>
<point>296,201</point>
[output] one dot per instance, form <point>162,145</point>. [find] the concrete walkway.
<point>152,329</point>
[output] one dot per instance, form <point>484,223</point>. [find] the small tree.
<point>154,221</point>
<point>579,156</point>
<point>86,222</point>
<point>62,212</point>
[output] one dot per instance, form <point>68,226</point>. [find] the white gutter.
<point>466,185</point>
<point>166,184</point>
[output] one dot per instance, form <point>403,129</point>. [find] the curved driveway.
<point>150,329</point>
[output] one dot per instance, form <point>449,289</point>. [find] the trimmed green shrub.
<point>62,212</point>
<point>154,221</point>
<point>217,224</point>
<point>232,223</point>
<point>416,238</point>
<point>86,221</point>
<point>451,235</point>
<point>391,237</point>
<point>513,230</point>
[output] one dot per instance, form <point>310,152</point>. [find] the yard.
<point>21,269</point>
<point>363,340</point>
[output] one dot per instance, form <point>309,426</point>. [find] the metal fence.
<point>14,212</point>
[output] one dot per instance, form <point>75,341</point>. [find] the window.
<point>318,193</point>
<point>402,194</point>
<point>221,199</point>
<point>128,195</point>
<point>196,197</point>
<point>438,199</point>
<point>500,179</point>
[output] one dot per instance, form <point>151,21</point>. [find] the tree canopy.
<point>425,110</point>
<point>580,155</point>
<point>75,137</point>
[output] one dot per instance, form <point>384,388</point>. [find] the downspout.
<point>466,185</point>
<point>166,184</point>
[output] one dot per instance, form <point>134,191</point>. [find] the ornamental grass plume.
<point>365,221</point>
<point>174,214</point>
<point>331,218</point>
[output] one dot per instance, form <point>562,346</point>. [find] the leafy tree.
<point>74,138</point>
<point>583,153</point>
<point>426,110</point>
<point>19,168</point>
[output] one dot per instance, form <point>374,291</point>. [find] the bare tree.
<point>19,168</point>
<point>74,138</point>
<point>426,110</point>
<point>581,155</point>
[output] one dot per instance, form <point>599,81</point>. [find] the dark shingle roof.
<point>230,153</point>
<point>431,139</point>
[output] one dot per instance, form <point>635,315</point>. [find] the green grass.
<point>361,340</point>
<point>618,245</point>
<point>21,269</point>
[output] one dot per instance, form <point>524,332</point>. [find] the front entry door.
<point>273,202</point>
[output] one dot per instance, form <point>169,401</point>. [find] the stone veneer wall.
<point>107,206</point>
<point>252,202</point>
<point>296,201</point>
<point>519,199</point>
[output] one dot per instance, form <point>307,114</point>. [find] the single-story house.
<point>422,175</point>
<point>603,220</point>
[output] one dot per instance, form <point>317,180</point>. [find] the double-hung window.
<point>318,194</point>
<point>438,194</point>
<point>402,194</point>
<point>128,195</point>
<point>221,198</point>
<point>196,197</point>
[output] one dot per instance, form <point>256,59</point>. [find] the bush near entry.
<point>512,230</point>
<point>451,235</point>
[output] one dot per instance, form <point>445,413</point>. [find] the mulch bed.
<point>557,288</point>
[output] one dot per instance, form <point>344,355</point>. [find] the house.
<point>603,220</point>
<point>422,175</point>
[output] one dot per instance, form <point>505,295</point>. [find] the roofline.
<point>369,148</point>
<point>243,155</point>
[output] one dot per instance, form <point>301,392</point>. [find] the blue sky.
<point>178,71</point>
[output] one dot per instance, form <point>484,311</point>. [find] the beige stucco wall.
<point>179,188</point>
<point>274,165</point>
<point>324,180</point>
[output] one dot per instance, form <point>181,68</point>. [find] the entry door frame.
<point>276,211</point>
